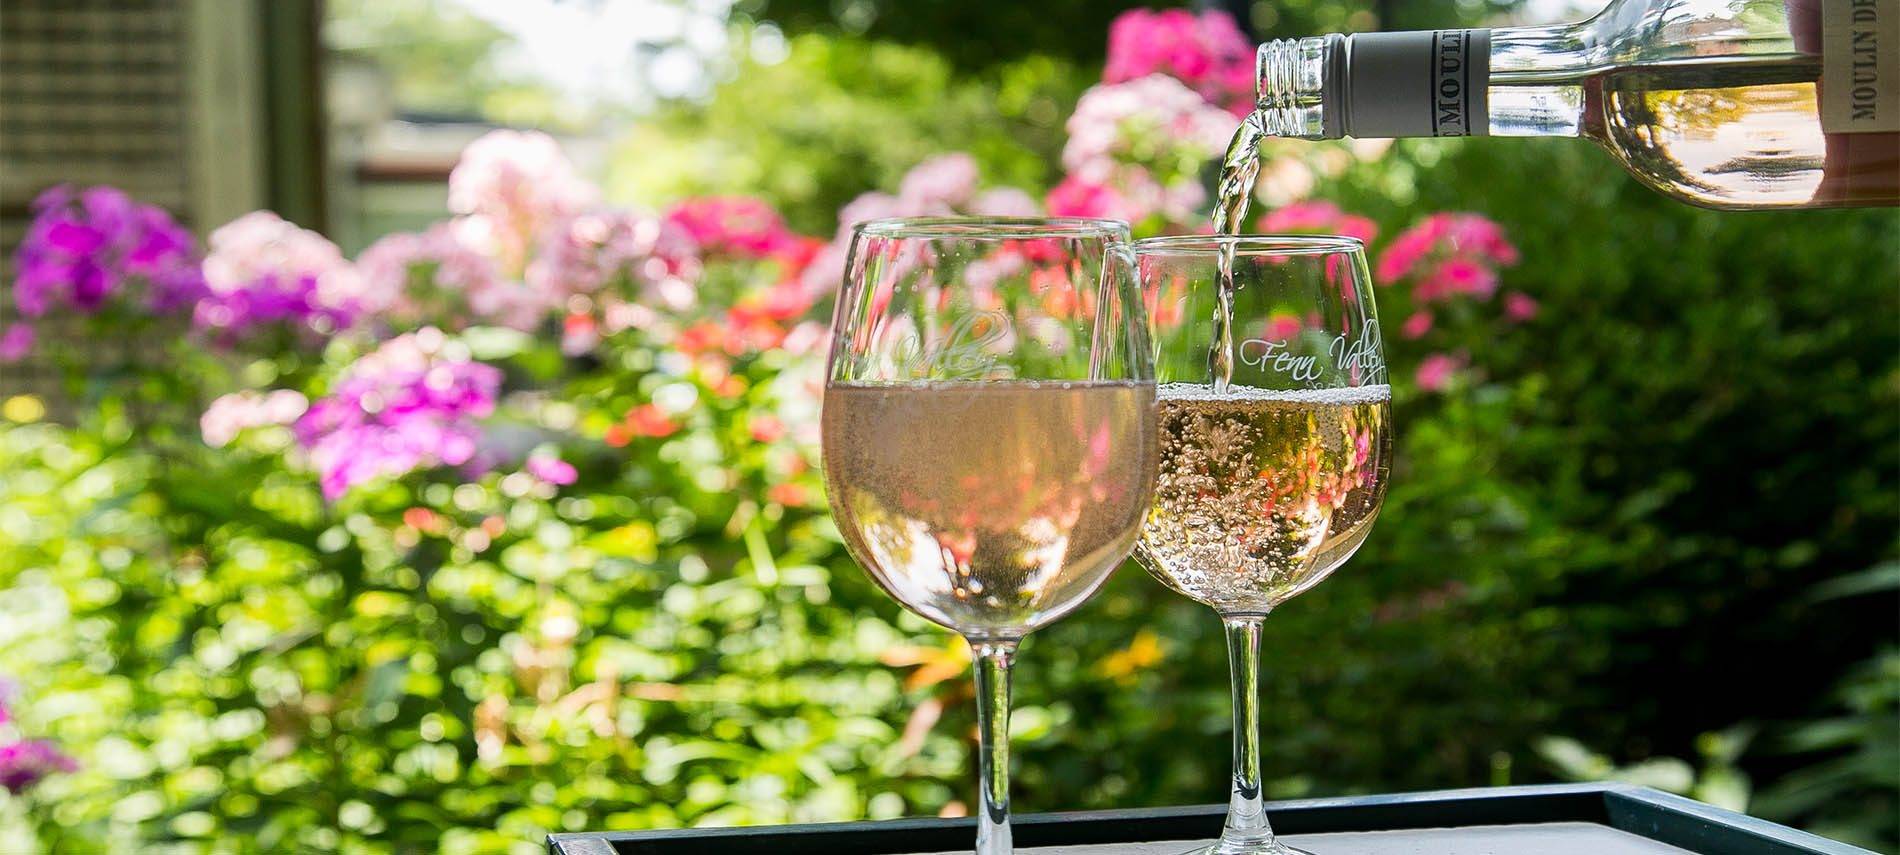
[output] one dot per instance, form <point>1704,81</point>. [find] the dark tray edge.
<point>1648,813</point>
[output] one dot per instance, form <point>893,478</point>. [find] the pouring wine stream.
<point>1235,191</point>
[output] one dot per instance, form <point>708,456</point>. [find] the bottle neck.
<point>1514,81</point>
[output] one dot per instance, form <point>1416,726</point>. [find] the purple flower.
<point>413,403</point>
<point>552,469</point>
<point>16,342</point>
<point>264,271</point>
<point>24,763</point>
<point>8,691</point>
<point>84,247</point>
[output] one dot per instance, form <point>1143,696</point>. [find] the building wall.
<point>162,98</point>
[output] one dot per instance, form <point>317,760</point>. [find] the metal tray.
<point>1564,819</point>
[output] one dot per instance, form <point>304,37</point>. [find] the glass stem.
<point>992,727</point>
<point>1247,829</point>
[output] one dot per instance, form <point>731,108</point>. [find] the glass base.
<point>1264,847</point>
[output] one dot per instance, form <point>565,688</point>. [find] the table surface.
<point>1550,838</point>
<point>1546,819</point>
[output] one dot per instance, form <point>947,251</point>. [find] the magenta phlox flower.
<point>28,761</point>
<point>415,402</point>
<point>264,271</point>
<point>1205,51</point>
<point>85,247</point>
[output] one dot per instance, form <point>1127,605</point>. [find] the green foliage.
<point>438,58</point>
<point>976,36</point>
<point>1719,782</point>
<point>1850,784</point>
<point>841,116</point>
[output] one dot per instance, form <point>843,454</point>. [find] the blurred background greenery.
<point>1649,534</point>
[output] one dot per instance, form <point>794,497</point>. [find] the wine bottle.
<point>1732,104</point>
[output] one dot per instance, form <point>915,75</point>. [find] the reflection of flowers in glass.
<point>84,247</point>
<point>26,762</point>
<point>1205,51</point>
<point>264,270</point>
<point>412,403</point>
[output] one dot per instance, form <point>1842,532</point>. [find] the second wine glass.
<point>1275,433</point>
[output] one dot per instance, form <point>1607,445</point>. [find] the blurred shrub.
<point>1848,784</point>
<point>838,116</point>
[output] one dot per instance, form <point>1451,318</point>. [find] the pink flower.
<point>16,342</point>
<point>653,259</point>
<point>265,270</point>
<point>1519,308</point>
<point>1470,236</point>
<point>741,226</point>
<point>234,413</point>
<point>948,180</point>
<point>551,469</point>
<point>509,187</point>
<point>1318,217</point>
<point>1403,254</point>
<point>1459,276</point>
<point>1076,196</point>
<point>1436,371</point>
<point>1206,51</point>
<point>1154,122</point>
<point>1417,325</point>
<point>1473,234</point>
<point>1005,202</point>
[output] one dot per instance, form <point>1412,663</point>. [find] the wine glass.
<point>989,433</point>
<point>1275,439</point>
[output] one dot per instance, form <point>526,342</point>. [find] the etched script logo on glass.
<point>968,348</point>
<point>1356,357</point>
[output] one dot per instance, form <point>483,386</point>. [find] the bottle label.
<point>1860,66</point>
<point>1429,83</point>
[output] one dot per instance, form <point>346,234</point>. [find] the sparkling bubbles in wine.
<point>1262,493</point>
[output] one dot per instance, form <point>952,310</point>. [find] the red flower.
<point>788,494</point>
<point>648,420</point>
<point>767,428</point>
